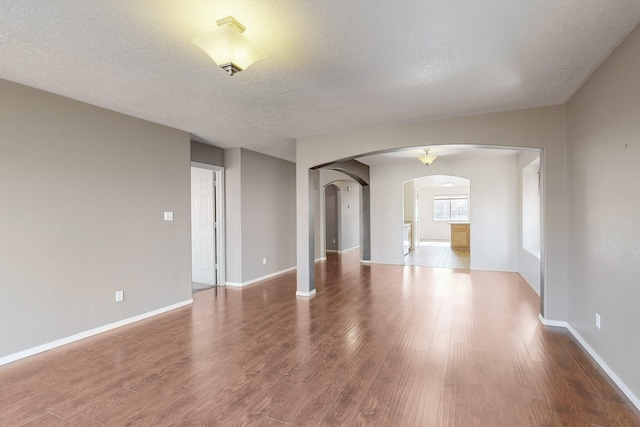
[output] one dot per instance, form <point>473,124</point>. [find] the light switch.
<point>168,216</point>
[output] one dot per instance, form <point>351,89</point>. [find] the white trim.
<point>350,249</point>
<point>95,331</point>
<point>220,211</point>
<point>324,258</point>
<point>556,323</point>
<point>616,379</point>
<point>626,390</point>
<point>234,284</point>
<point>368,261</point>
<point>331,250</point>
<point>259,279</point>
<point>305,294</point>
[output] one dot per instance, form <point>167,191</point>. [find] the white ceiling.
<point>333,65</point>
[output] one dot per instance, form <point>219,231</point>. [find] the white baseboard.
<point>557,323</point>
<point>234,284</point>
<point>368,261</point>
<point>616,379</point>
<point>626,390</point>
<point>333,251</point>
<point>324,258</point>
<point>81,335</point>
<point>259,279</point>
<point>305,294</point>
<point>350,249</point>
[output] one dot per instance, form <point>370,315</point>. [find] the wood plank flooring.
<point>438,254</point>
<point>378,345</point>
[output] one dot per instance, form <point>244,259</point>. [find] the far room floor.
<point>438,253</point>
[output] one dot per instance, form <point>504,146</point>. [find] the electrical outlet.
<point>119,296</point>
<point>264,261</point>
<point>597,321</point>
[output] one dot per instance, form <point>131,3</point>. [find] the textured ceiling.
<point>333,65</point>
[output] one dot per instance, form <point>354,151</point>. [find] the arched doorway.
<point>332,218</point>
<point>498,193</point>
<point>341,222</point>
<point>436,210</point>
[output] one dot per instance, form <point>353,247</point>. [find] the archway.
<point>538,129</point>
<point>436,213</point>
<point>332,209</point>
<point>339,223</point>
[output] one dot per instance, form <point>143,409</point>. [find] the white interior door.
<point>203,242</point>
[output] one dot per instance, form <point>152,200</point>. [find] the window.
<point>451,208</point>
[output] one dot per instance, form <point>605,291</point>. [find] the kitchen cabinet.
<point>460,236</point>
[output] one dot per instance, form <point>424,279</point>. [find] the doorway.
<point>341,219</point>
<point>332,218</point>
<point>206,226</point>
<point>437,224</point>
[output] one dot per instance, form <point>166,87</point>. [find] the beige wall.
<point>603,126</point>
<point>83,194</point>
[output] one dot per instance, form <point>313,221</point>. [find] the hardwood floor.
<point>378,345</point>
<point>438,254</point>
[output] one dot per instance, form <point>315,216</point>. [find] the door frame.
<point>220,246</point>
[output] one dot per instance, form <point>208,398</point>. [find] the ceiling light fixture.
<point>448,184</point>
<point>228,47</point>
<point>427,158</point>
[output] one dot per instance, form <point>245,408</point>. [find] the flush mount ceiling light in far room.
<point>448,184</point>
<point>228,47</point>
<point>427,158</point>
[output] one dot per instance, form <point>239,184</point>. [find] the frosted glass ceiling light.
<point>228,47</point>
<point>427,158</point>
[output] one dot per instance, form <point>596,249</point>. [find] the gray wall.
<point>83,194</point>
<point>204,153</point>
<point>331,215</point>
<point>233,207</point>
<point>260,215</point>
<point>327,176</point>
<point>603,127</point>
